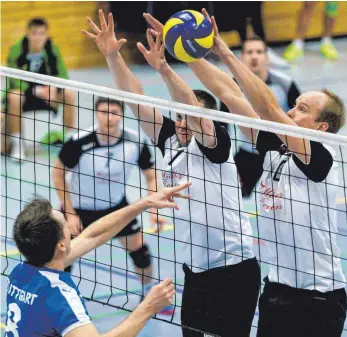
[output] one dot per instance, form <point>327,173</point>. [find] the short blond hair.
<point>333,112</point>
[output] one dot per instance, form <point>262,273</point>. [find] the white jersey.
<point>298,219</point>
<point>99,172</point>
<point>211,229</point>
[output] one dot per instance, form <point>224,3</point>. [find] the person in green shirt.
<point>37,53</point>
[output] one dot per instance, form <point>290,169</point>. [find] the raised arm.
<point>218,82</point>
<point>107,227</point>
<point>260,96</point>
<point>203,129</point>
<point>151,119</point>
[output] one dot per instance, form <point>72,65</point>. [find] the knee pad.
<point>331,9</point>
<point>141,257</point>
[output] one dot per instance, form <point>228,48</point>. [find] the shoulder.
<point>132,135</point>
<point>17,48</point>
<point>281,78</point>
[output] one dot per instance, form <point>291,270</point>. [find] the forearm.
<point>179,90</point>
<point>62,190</point>
<point>133,324</point>
<point>257,92</point>
<point>107,227</point>
<point>152,180</point>
<point>214,79</point>
<point>123,77</point>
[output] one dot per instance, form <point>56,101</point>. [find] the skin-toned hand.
<point>219,46</point>
<point>105,37</point>
<point>74,223</point>
<point>155,56</point>
<point>160,296</point>
<point>165,197</point>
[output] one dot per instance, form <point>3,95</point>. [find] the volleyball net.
<point>107,275</point>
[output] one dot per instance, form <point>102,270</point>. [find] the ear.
<point>323,127</point>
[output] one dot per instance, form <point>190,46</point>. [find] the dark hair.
<point>209,101</point>
<point>37,22</point>
<point>36,232</point>
<point>333,113</point>
<point>253,38</point>
<point>109,101</point>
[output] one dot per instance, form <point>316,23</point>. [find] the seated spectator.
<point>37,53</point>
<point>296,49</point>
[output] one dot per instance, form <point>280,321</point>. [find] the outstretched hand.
<point>155,56</point>
<point>219,46</point>
<point>165,197</point>
<point>154,23</point>
<point>105,37</point>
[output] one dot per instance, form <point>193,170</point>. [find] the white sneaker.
<point>18,152</point>
<point>276,61</point>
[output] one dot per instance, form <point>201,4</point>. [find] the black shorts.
<point>34,103</point>
<point>220,301</point>
<point>290,312</point>
<point>88,217</point>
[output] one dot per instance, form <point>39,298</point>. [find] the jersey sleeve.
<point>70,153</point>
<point>67,311</point>
<point>267,141</point>
<point>321,161</point>
<point>12,58</point>
<point>62,71</point>
<point>167,130</point>
<point>221,152</point>
<point>293,94</point>
<point>146,160</point>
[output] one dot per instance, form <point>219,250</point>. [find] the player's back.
<point>43,302</point>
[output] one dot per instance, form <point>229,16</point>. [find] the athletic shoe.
<point>169,310</point>
<point>293,53</point>
<point>53,137</point>
<point>276,61</point>
<point>329,51</point>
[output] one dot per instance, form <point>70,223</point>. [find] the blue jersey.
<point>43,302</point>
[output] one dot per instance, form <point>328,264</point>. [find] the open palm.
<point>105,37</point>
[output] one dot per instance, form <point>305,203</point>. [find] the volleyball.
<point>188,35</point>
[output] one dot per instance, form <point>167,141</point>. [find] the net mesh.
<point>107,275</point>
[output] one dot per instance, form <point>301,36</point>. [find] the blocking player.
<point>42,299</point>
<point>99,162</point>
<point>254,55</point>
<point>213,236</point>
<point>304,292</point>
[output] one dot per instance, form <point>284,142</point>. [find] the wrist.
<point>224,53</point>
<point>146,308</point>
<point>113,55</point>
<point>164,69</point>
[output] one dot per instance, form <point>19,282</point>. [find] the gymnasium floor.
<point>93,274</point>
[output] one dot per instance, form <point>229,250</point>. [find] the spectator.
<point>296,49</point>
<point>247,160</point>
<point>235,16</point>
<point>37,53</point>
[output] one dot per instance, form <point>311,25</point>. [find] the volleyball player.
<point>304,292</point>
<point>42,299</point>
<point>213,236</point>
<point>99,162</point>
<point>254,55</point>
